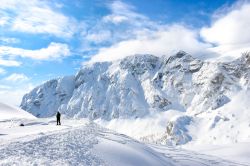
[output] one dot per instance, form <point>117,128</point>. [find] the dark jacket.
<point>58,115</point>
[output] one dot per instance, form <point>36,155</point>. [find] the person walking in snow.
<point>58,118</point>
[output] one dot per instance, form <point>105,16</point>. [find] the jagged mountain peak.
<point>139,64</point>
<point>139,57</point>
<point>180,55</point>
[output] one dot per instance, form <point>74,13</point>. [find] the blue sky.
<point>41,40</point>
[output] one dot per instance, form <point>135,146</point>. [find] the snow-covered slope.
<point>89,144</point>
<point>143,85</point>
<point>10,112</point>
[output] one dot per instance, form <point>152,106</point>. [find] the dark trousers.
<point>58,121</point>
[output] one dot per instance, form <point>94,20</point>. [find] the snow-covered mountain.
<point>139,85</point>
<point>133,86</point>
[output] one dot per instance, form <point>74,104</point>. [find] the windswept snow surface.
<point>237,152</point>
<point>80,142</point>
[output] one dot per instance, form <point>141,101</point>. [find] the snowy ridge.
<point>9,112</point>
<point>141,85</point>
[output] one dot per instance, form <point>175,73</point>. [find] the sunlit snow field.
<point>82,142</point>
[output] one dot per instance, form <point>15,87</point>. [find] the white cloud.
<point>116,19</point>
<point>13,95</point>
<point>144,36</point>
<point>2,71</point>
<point>99,37</point>
<point>119,12</point>
<point>229,52</point>
<point>230,31</point>
<point>3,20</point>
<point>9,63</point>
<point>36,16</point>
<point>13,87</point>
<point>126,15</point>
<point>52,52</point>
<point>123,12</point>
<point>16,77</point>
<point>163,41</point>
<point>9,40</point>
<point>39,20</point>
<point>227,36</point>
<point>4,87</point>
<point>120,24</point>
<point>232,28</point>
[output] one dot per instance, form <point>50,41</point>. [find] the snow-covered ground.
<point>238,152</point>
<point>82,142</point>
<point>152,128</point>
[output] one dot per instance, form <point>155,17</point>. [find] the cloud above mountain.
<point>229,28</point>
<point>229,31</point>
<point>227,36</point>
<point>163,41</point>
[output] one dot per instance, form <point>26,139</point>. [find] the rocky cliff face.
<point>136,85</point>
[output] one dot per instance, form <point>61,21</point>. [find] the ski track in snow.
<point>72,147</point>
<point>79,146</point>
<point>183,157</point>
